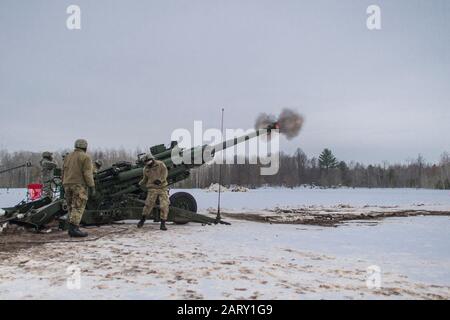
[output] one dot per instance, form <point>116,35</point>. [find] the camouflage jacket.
<point>77,169</point>
<point>157,171</point>
<point>47,167</point>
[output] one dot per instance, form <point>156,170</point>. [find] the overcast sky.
<point>137,70</point>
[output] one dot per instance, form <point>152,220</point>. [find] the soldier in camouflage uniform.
<point>48,165</point>
<point>155,181</point>
<point>96,166</point>
<point>78,182</point>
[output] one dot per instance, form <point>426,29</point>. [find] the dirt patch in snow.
<point>327,217</point>
<point>16,238</point>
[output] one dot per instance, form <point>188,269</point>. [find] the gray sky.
<point>137,70</point>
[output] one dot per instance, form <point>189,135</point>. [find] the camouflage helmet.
<point>148,157</point>
<point>47,154</point>
<point>98,163</point>
<point>81,144</point>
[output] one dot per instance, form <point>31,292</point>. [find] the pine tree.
<point>327,160</point>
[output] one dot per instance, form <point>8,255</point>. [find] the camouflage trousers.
<point>47,189</point>
<point>150,202</point>
<point>76,197</point>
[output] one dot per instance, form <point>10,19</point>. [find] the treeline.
<point>326,171</point>
<point>295,170</point>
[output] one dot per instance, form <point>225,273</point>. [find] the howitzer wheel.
<point>183,200</point>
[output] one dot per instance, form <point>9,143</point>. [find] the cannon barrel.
<point>25,165</point>
<point>197,152</point>
<point>237,140</point>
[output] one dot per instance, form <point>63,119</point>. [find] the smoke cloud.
<point>289,122</point>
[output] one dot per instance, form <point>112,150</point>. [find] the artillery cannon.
<point>119,196</point>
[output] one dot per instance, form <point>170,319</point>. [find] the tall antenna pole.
<point>218,217</point>
<point>27,177</point>
<point>26,182</point>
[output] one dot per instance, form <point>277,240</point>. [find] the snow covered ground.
<point>245,260</point>
<point>248,259</point>
<point>11,197</point>
<point>269,198</point>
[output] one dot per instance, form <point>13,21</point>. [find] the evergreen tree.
<point>327,160</point>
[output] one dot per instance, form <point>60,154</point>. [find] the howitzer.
<point>119,196</point>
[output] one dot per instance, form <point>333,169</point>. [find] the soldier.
<point>97,165</point>
<point>155,181</point>
<point>78,182</point>
<point>48,165</point>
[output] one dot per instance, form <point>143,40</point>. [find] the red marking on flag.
<point>34,191</point>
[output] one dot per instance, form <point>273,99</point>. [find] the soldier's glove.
<point>157,182</point>
<point>92,191</point>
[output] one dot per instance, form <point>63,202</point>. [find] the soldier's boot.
<point>141,222</point>
<point>163,225</point>
<point>74,231</point>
